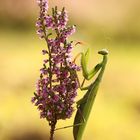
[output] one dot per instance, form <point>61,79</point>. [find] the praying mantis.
<point>84,105</point>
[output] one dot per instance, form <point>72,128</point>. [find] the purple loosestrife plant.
<point>57,86</point>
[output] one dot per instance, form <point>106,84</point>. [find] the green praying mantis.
<point>84,105</point>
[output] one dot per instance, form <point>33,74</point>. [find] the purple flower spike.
<point>62,19</point>
<point>57,86</point>
<point>43,5</point>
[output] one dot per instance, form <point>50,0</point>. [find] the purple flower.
<point>40,33</point>
<point>44,52</point>
<point>44,71</point>
<point>33,99</point>
<point>43,4</point>
<point>69,31</point>
<point>57,86</point>
<point>62,19</point>
<point>49,22</point>
<point>45,61</point>
<point>69,48</point>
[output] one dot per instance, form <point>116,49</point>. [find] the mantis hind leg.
<point>78,124</point>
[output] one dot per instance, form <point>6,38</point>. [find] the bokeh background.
<point>111,24</point>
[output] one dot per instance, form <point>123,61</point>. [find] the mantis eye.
<point>103,52</point>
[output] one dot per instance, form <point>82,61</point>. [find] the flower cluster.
<point>57,20</point>
<point>57,86</point>
<point>43,4</point>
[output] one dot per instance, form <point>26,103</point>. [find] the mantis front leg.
<point>84,60</point>
<point>87,74</point>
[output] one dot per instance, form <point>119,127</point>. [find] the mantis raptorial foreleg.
<point>87,74</point>
<point>84,60</point>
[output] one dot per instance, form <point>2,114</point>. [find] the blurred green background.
<point>110,24</point>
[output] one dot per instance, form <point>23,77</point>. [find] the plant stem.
<point>52,130</point>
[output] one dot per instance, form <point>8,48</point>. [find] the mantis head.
<point>103,52</point>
